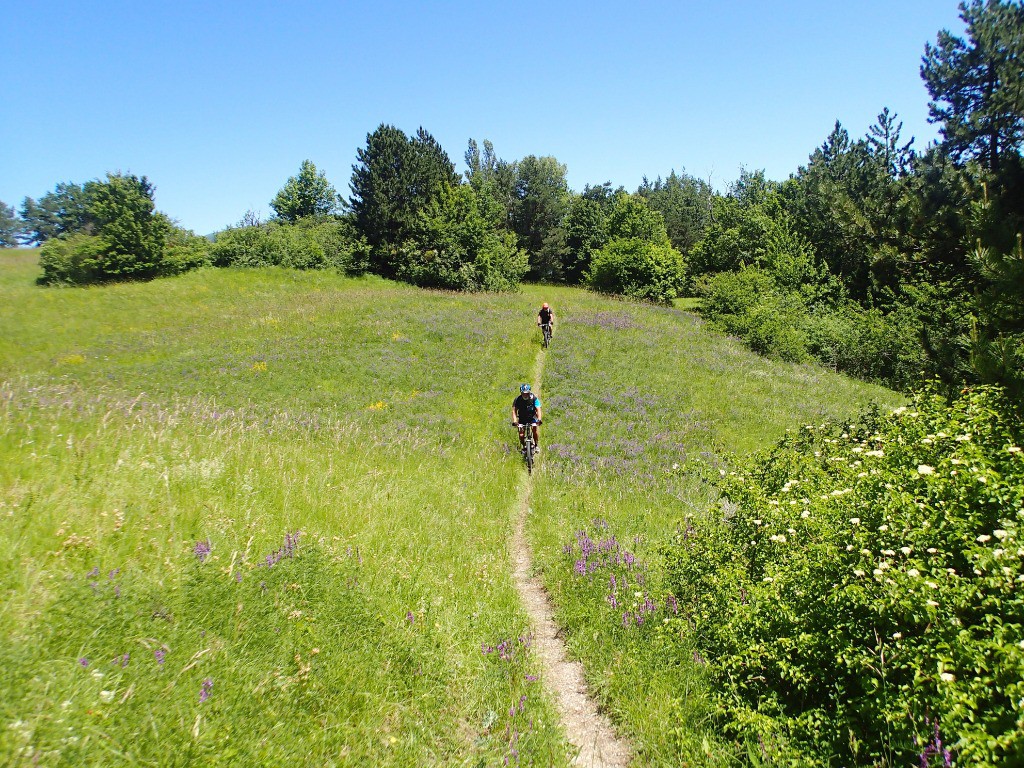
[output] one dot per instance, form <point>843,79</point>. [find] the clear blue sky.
<point>218,103</point>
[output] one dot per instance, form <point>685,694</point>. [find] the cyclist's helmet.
<point>524,388</point>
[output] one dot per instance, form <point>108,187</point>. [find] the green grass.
<point>235,408</point>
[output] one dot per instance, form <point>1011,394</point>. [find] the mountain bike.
<point>529,448</point>
<point>546,330</point>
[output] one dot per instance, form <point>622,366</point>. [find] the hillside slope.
<point>240,503</point>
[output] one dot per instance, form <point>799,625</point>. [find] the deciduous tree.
<point>542,199</point>
<point>305,195</point>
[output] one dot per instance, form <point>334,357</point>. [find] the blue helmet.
<point>524,388</point>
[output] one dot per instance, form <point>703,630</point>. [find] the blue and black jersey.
<point>526,407</point>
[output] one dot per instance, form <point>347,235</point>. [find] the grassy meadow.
<point>259,516</point>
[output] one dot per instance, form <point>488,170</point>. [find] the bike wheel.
<point>529,456</point>
<point>547,338</point>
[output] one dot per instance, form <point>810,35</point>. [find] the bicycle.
<point>546,330</point>
<point>529,448</point>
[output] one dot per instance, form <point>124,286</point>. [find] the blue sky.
<point>219,103</point>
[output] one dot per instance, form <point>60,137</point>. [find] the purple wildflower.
<point>83,661</point>
<point>93,573</point>
<point>201,550</point>
<point>113,574</point>
<point>204,693</point>
<point>410,617</point>
<point>159,654</point>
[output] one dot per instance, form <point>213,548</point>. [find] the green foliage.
<point>975,83</point>
<point>685,204</point>
<point>122,212</point>
<point>727,298</point>
<point>10,226</point>
<point>70,260</point>
<point>61,212</point>
<point>857,591</point>
<point>458,246</point>
<point>542,198</point>
<point>184,251</point>
<point>493,177</point>
<point>585,231</point>
<point>396,177</point>
<point>307,195</point>
<point>639,269</point>
<point>310,243</point>
<point>868,343</point>
<point>631,217</point>
<point>751,227</point>
<point>749,304</point>
<point>852,202</point>
<point>119,235</point>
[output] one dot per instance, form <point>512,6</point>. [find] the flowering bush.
<point>860,596</point>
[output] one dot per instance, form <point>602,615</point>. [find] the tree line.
<point>875,258</point>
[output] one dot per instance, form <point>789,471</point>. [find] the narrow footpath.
<point>586,728</point>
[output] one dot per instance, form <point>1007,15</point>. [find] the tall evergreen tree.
<point>395,179</point>
<point>10,227</point>
<point>56,213</point>
<point>977,84</point>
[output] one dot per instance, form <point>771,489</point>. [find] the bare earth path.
<point>585,727</point>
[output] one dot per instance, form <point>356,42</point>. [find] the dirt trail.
<point>586,728</point>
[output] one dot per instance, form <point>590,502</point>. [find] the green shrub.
<point>251,246</point>
<point>868,343</point>
<point>639,269</point>
<point>183,251</point>
<point>775,328</point>
<point>122,236</point>
<point>858,594</point>
<point>326,243</point>
<point>70,260</point>
<point>458,246</point>
<point>728,298</point>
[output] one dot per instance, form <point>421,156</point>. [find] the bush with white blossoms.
<point>860,601</point>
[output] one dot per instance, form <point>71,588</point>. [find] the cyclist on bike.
<point>526,410</point>
<point>546,316</point>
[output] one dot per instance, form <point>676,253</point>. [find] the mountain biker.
<point>526,410</point>
<point>546,316</point>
